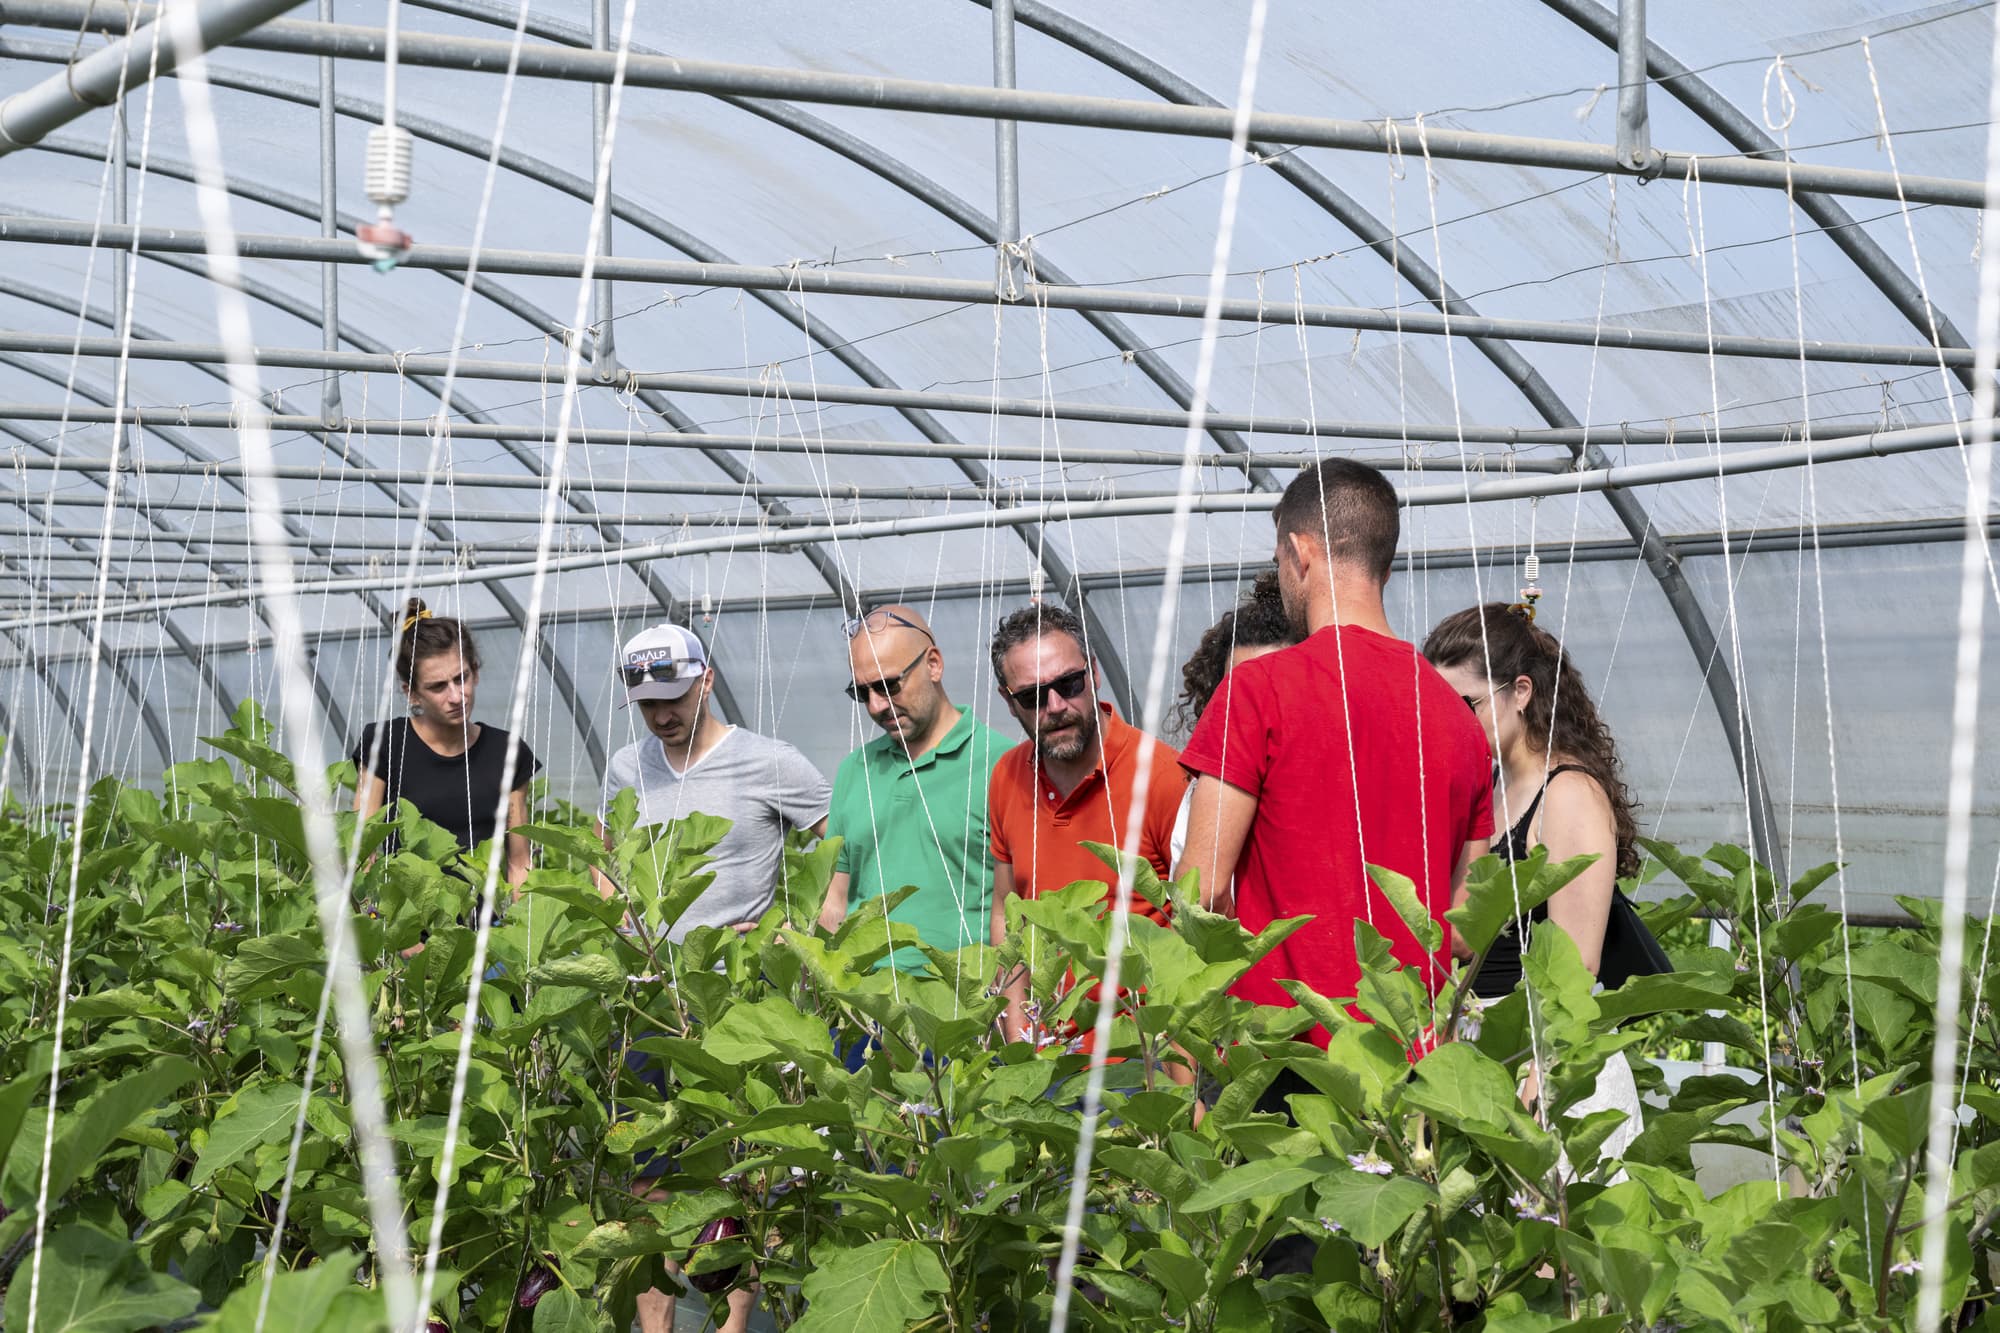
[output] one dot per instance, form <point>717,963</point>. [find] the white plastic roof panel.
<point>697,177</point>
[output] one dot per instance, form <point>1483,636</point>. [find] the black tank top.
<point>1502,970</point>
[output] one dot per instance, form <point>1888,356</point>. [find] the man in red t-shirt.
<point>1071,781</point>
<point>1345,751</point>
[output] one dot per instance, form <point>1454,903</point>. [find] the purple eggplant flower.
<point>1370,1163</point>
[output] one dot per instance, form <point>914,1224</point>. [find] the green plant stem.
<point>1889,1240</point>
<point>1461,993</point>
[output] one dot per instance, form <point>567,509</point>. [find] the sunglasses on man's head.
<point>667,668</point>
<point>855,624</point>
<point>1029,698</point>
<point>889,686</point>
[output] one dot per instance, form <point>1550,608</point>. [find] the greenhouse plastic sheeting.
<point>698,177</point>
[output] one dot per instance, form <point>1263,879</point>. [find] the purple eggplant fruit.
<point>436,1325</point>
<point>539,1282</point>
<point>722,1228</point>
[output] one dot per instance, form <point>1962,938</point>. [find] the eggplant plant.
<point>778,1107</point>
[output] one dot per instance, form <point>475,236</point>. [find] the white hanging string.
<point>95,657</point>
<point>1156,674</point>
<point>300,721</point>
<point>1752,770</point>
<point>1367,886</point>
<point>1503,813</point>
<point>524,670</point>
<point>1780,122</point>
<point>1951,393</point>
<point>1964,740</point>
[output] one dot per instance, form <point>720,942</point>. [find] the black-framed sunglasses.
<point>853,625</point>
<point>889,686</point>
<point>667,668</point>
<point>1030,698</point>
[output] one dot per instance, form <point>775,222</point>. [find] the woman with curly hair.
<point>1254,626</point>
<point>1558,783</point>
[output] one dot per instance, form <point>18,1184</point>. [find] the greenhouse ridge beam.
<point>480,54</point>
<point>998,493</point>
<point>96,79</point>
<point>971,292</point>
<point>731,386</point>
<point>1767,542</point>
<point>482,429</point>
<point>1594,480</point>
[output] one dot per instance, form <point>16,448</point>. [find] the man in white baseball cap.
<point>692,762</point>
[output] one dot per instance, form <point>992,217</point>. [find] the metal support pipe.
<point>965,291</point>
<point>482,429</point>
<point>1007,273</point>
<point>996,493</point>
<point>438,51</point>
<point>1515,488</point>
<point>1767,542</point>
<point>96,79</point>
<point>903,399</point>
<point>1635,141</point>
<point>329,229</point>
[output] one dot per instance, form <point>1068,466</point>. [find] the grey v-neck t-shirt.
<point>764,787</point>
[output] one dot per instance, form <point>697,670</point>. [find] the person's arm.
<point>1014,984</point>
<point>518,859</point>
<point>369,793</point>
<point>819,829</point>
<point>605,887</point>
<point>1218,825</point>
<point>835,910</point>
<point>1576,820</point>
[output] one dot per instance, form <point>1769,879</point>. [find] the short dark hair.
<point>1031,623</point>
<point>1349,506</point>
<point>425,634</point>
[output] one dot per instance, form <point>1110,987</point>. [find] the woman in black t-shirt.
<point>438,759</point>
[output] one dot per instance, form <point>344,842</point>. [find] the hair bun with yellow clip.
<point>413,611</point>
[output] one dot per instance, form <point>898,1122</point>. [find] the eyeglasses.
<point>1470,702</point>
<point>889,686</point>
<point>1030,698</point>
<point>667,668</point>
<point>855,624</point>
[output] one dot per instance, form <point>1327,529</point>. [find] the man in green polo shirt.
<point>911,804</point>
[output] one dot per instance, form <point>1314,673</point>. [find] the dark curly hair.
<point>424,634</point>
<point>1258,621</point>
<point>1510,646</point>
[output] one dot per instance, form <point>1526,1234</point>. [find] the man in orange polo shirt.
<point>1070,782</point>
